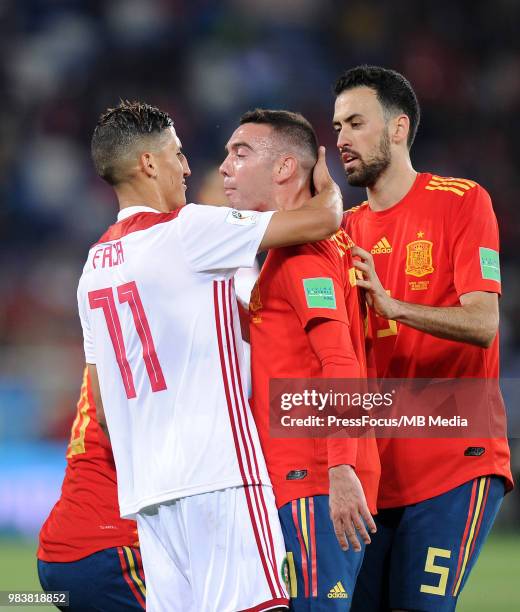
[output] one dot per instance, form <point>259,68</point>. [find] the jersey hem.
<point>131,510</point>
<point>42,556</point>
<point>422,496</point>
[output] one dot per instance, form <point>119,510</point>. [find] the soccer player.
<point>85,547</point>
<point>434,306</point>
<point>161,337</point>
<point>306,321</point>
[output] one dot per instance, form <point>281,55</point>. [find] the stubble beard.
<point>370,171</point>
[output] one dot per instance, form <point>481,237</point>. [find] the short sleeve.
<point>218,237</point>
<point>88,341</point>
<point>312,282</point>
<point>475,244</point>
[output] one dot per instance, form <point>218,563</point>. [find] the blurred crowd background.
<point>62,62</point>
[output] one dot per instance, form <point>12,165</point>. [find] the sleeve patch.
<point>489,264</point>
<point>319,293</point>
<point>242,217</point>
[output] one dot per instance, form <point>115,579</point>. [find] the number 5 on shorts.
<point>442,571</point>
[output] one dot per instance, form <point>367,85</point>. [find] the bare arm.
<point>475,321</point>
<point>100,412</point>
<point>316,220</point>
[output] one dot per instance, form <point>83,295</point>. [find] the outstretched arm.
<point>475,321</point>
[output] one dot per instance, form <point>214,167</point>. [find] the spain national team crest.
<point>419,260</point>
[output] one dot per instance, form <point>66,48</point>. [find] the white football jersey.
<point>160,321</point>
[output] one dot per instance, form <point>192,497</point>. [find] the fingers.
<point>321,176</point>
<point>352,536</point>
<point>360,526</point>
<point>369,520</point>
<point>357,251</point>
<point>364,267</point>
<point>346,532</point>
<point>339,530</point>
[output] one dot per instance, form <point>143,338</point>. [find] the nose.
<point>343,139</point>
<point>224,167</point>
<point>186,168</point>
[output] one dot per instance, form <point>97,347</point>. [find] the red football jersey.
<point>438,243</point>
<point>282,303</point>
<point>86,517</point>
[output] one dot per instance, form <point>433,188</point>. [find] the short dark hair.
<point>393,91</point>
<point>118,130</point>
<point>292,127</point>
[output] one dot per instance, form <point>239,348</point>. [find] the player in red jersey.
<point>434,308</point>
<point>85,547</point>
<point>306,321</point>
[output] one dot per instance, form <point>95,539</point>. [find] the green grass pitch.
<point>493,585</point>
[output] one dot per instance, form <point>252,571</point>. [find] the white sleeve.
<point>218,237</point>
<point>88,341</point>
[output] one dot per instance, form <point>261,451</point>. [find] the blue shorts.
<point>422,554</point>
<point>111,579</point>
<point>320,576</point>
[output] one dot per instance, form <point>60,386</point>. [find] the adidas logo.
<point>337,592</point>
<point>383,246</point>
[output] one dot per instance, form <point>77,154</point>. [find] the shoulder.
<point>454,189</point>
<point>356,211</point>
<point>135,223</point>
<point>457,196</point>
<point>353,215</point>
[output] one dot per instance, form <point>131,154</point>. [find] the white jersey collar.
<point>133,210</point>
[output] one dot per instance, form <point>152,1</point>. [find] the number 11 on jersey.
<point>128,293</point>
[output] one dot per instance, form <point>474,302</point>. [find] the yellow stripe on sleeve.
<point>441,188</point>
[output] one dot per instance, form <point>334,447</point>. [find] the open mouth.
<point>348,159</point>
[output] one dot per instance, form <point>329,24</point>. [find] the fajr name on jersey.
<point>108,255</point>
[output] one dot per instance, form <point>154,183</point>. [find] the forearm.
<point>323,213</point>
<point>315,220</point>
<point>475,321</point>
<point>468,324</point>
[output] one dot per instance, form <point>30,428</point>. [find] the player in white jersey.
<point>161,336</point>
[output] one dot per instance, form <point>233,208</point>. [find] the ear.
<point>284,169</point>
<point>400,126</point>
<point>148,165</point>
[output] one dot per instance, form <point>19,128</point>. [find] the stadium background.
<point>64,61</point>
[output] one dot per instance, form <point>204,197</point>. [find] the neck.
<point>291,197</point>
<point>129,194</point>
<point>392,185</point>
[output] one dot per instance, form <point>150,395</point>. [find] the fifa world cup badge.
<point>419,261</point>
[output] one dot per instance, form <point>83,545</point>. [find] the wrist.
<point>340,470</point>
<point>393,309</point>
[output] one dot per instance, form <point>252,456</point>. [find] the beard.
<point>368,172</point>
